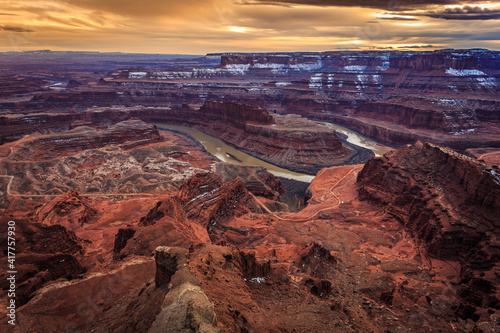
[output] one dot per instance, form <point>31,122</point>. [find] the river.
<point>223,151</point>
<point>358,139</point>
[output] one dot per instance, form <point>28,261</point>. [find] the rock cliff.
<point>43,254</point>
<point>235,113</point>
<point>449,202</point>
<point>70,211</point>
<point>436,192</point>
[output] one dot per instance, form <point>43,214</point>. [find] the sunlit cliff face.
<point>201,26</point>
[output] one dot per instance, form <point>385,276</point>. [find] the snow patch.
<point>308,66</point>
<point>203,195</point>
<point>354,68</point>
<point>464,72</point>
<point>268,65</point>
<point>283,84</point>
<point>238,69</point>
<point>496,176</point>
<point>362,78</point>
<point>331,80</point>
<point>137,75</point>
<point>385,66</point>
<point>470,130</point>
<point>316,81</point>
<point>258,280</point>
<point>486,81</point>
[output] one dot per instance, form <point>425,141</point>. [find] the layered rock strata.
<point>291,142</point>
<point>450,203</point>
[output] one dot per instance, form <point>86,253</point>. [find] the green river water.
<point>221,150</point>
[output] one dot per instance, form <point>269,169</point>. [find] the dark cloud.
<point>466,13</point>
<point>14,29</point>
<point>416,46</point>
<point>400,18</point>
<point>490,35</point>
<point>392,5</point>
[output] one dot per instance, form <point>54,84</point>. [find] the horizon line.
<point>401,49</point>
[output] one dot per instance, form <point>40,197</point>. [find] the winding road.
<point>305,219</point>
<point>481,157</point>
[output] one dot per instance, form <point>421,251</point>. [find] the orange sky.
<point>203,26</point>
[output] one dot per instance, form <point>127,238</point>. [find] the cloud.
<point>201,26</point>
<point>311,20</point>
<point>429,46</point>
<point>465,13</point>
<point>399,18</point>
<point>150,8</point>
<point>14,29</point>
<point>392,5</point>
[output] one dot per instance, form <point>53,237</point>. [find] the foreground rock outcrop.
<point>226,260</point>
<point>450,203</point>
<point>446,199</point>
<point>43,254</point>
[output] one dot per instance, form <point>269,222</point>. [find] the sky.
<point>211,26</point>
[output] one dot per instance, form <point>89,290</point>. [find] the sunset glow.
<point>201,26</point>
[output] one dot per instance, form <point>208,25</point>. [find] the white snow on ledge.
<point>464,72</point>
<point>354,68</point>
<point>238,69</point>
<point>258,280</point>
<point>283,84</point>
<point>137,75</point>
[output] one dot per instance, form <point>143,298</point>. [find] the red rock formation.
<point>14,85</point>
<point>17,126</point>
<point>235,113</point>
<point>444,59</point>
<point>316,261</point>
<point>42,254</point>
<point>340,264</point>
<point>257,179</point>
<point>420,255</point>
<point>399,136</point>
<point>129,133</point>
<point>417,115</point>
<point>167,263</point>
<point>449,202</point>
<point>413,181</point>
<point>121,239</point>
<point>166,223</point>
<point>211,203</point>
<point>253,60</point>
<point>310,106</point>
<point>79,99</point>
<point>170,209</point>
<point>70,211</point>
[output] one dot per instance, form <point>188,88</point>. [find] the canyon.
<point>126,224</point>
<point>292,142</point>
